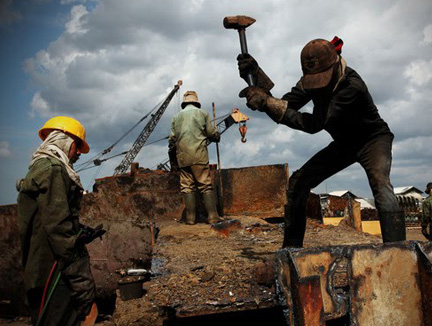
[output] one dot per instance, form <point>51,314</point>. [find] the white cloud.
<point>75,24</point>
<point>419,72</point>
<point>39,106</point>
<point>117,59</point>
<point>427,32</point>
<point>5,150</point>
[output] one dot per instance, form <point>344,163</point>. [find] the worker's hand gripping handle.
<point>244,50</point>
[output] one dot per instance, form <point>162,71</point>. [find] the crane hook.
<point>243,130</point>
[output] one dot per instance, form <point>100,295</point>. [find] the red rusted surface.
<point>131,207</point>
<point>224,228</point>
<point>387,284</point>
<point>314,207</point>
<point>309,301</point>
<point>255,191</point>
<point>265,273</point>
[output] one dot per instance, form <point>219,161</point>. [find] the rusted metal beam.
<point>132,207</point>
<point>387,284</point>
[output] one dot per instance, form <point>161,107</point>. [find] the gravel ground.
<point>201,270</point>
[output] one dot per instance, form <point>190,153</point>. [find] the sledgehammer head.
<point>238,22</point>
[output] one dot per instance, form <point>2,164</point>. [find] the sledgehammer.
<point>240,23</point>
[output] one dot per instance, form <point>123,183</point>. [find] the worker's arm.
<point>172,139</point>
<point>172,148</point>
<point>210,130</point>
<point>426,214</point>
<point>281,110</point>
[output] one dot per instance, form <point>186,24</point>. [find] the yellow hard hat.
<point>67,125</point>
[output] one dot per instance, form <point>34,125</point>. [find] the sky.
<point>107,63</point>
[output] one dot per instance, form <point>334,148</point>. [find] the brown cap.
<point>190,97</point>
<point>317,60</point>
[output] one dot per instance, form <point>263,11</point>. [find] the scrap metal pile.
<point>228,267</point>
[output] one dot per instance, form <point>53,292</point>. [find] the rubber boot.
<point>190,204</point>
<point>210,205</point>
<point>392,226</point>
<point>294,228</point>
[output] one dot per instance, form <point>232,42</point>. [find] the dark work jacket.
<point>48,208</point>
<point>426,212</point>
<point>348,113</point>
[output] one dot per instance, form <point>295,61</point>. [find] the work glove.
<point>259,99</point>
<point>216,137</point>
<point>246,63</point>
<point>256,97</point>
<point>172,154</point>
<point>426,234</point>
<point>88,234</point>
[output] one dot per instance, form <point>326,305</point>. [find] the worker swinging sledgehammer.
<point>191,128</point>
<point>344,108</point>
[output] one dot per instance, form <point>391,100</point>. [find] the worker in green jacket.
<point>426,221</point>
<point>191,129</point>
<point>53,246</point>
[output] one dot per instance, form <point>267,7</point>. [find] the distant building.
<point>343,194</point>
<point>409,191</point>
<point>366,203</point>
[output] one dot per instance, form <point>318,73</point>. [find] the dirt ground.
<point>202,269</point>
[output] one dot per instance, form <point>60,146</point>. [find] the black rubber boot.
<point>210,205</point>
<point>190,204</point>
<point>392,226</point>
<point>294,228</point>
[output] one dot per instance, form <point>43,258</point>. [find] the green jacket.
<point>48,208</point>
<point>190,130</point>
<point>426,212</point>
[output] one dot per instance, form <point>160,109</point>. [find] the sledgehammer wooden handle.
<point>240,23</point>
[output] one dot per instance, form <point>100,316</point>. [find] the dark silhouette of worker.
<point>344,108</point>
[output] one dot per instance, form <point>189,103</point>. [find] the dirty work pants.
<point>60,310</point>
<point>375,158</point>
<point>195,177</point>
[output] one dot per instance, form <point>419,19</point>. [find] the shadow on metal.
<point>359,285</point>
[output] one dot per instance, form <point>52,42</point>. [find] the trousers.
<point>195,177</point>
<point>60,309</point>
<point>374,156</point>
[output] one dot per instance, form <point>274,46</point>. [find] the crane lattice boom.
<point>145,134</point>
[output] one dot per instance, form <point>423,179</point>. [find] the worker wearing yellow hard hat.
<point>59,286</point>
<point>69,126</point>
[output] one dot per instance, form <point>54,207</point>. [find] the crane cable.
<point>98,162</point>
<point>85,165</point>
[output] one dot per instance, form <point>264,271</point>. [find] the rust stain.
<point>226,227</point>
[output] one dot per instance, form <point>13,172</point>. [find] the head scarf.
<point>57,145</point>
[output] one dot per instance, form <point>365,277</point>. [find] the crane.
<point>145,133</point>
